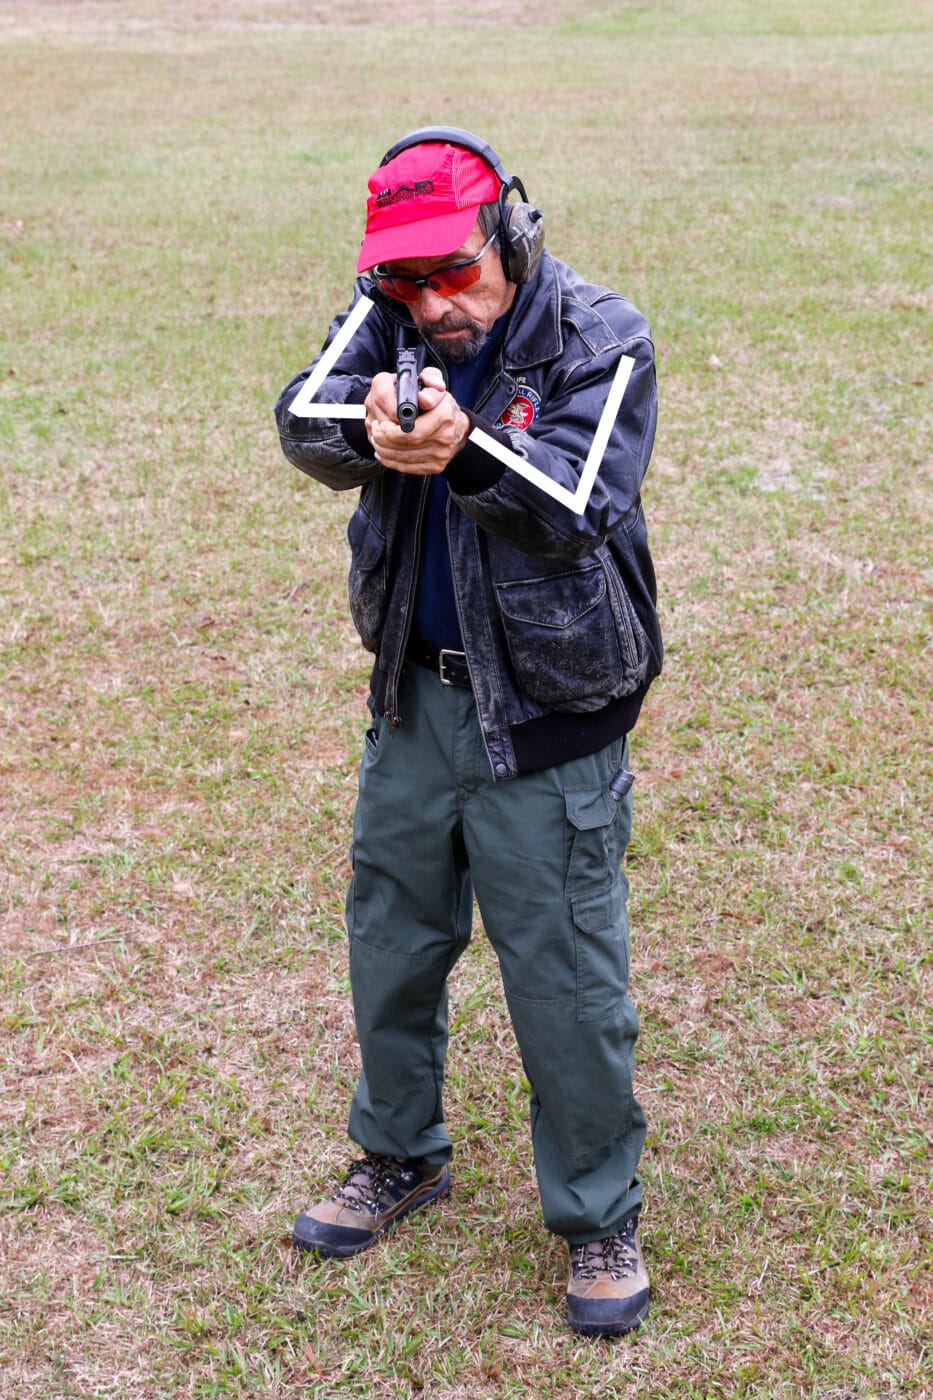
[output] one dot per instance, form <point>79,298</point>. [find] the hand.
<point>440,430</point>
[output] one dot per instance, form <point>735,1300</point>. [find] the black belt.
<point>449,666</point>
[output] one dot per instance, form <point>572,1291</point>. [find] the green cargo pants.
<point>542,854</point>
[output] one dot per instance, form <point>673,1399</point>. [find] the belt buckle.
<point>441,659</point>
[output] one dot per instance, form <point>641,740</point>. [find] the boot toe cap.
<point>607,1316</point>
<point>327,1238</point>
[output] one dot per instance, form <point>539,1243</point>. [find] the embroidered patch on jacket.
<point>522,411</point>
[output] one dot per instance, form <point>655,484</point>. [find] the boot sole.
<point>346,1251</point>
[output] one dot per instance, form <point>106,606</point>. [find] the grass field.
<point>182,700</point>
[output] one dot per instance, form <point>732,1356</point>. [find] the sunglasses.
<point>443,281</point>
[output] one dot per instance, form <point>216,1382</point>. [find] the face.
<point>456,327</point>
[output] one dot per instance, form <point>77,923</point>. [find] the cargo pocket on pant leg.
<point>600,931</point>
<point>590,814</point>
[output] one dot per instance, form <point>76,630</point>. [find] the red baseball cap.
<point>423,203</point>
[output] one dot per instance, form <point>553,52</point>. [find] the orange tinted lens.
<point>447,281</point>
<point>400,288</point>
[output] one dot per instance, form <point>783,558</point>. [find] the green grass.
<point>182,701</point>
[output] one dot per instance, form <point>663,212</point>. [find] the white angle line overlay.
<point>303,405</point>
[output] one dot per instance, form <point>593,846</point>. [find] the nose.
<point>431,306</point>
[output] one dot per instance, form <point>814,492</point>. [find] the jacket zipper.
<point>396,719</point>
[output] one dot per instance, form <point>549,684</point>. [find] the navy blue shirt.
<point>435,613</point>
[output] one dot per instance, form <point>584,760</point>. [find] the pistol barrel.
<point>406,368</point>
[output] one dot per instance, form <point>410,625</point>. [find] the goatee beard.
<point>456,352</point>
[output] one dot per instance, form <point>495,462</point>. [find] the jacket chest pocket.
<point>573,640</point>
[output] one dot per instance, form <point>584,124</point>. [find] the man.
<point>500,574</point>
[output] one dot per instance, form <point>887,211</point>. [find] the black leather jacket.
<point>557,606</point>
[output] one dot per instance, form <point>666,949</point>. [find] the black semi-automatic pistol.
<point>406,369</point>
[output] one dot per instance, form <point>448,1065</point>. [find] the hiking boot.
<point>608,1289</point>
<point>376,1192</point>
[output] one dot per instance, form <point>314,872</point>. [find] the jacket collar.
<point>533,332</point>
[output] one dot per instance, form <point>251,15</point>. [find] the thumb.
<point>432,378</point>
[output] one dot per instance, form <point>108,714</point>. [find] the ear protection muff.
<point>521,225</point>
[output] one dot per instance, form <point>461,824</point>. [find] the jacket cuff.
<point>354,429</point>
<point>473,470</point>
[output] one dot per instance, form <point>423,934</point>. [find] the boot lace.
<point>616,1255</point>
<point>366,1184</point>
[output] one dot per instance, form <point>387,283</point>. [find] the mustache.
<point>450,322</point>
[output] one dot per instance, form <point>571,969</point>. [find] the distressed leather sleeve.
<point>336,451</point>
<point>516,509</point>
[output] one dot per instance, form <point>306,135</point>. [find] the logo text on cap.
<point>403,192</point>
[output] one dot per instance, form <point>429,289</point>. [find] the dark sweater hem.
<point>473,469</point>
<point>561,735</point>
<point>354,429</point>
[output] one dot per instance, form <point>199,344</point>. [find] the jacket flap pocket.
<point>557,600</point>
